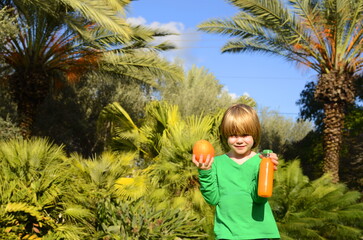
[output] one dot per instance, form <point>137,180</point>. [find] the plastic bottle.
<point>266,175</point>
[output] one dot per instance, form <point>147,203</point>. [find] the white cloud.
<point>184,40</point>
<point>136,21</point>
<point>233,95</point>
<point>246,94</point>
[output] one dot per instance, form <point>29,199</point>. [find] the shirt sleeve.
<point>209,185</point>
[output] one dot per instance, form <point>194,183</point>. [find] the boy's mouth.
<point>239,146</point>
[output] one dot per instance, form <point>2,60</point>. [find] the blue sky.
<point>271,81</point>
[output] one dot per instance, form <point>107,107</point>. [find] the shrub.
<point>316,209</point>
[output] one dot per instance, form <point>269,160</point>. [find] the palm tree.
<point>47,53</point>
<point>42,56</point>
<point>323,35</point>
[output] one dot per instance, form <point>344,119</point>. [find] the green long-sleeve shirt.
<point>232,188</point>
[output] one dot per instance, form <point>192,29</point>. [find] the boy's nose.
<point>240,139</point>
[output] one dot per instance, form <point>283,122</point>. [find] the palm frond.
<point>200,127</point>
<point>77,213</point>
<point>67,231</point>
<point>117,114</point>
<point>131,188</point>
<point>106,13</point>
<point>24,207</point>
<point>145,67</point>
<point>126,136</point>
<point>316,34</point>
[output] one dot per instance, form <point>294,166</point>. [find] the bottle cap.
<point>266,152</point>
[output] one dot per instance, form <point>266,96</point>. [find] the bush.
<point>316,209</point>
<point>8,129</point>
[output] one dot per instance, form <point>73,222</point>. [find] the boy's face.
<point>240,145</point>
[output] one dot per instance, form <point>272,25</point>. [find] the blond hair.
<point>241,119</point>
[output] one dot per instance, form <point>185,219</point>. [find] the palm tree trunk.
<point>333,121</point>
<point>29,90</point>
<point>335,90</point>
<point>26,112</point>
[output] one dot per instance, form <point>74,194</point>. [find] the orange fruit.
<point>203,147</point>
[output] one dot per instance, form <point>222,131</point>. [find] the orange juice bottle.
<point>266,175</point>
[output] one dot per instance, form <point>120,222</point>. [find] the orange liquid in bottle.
<point>266,176</point>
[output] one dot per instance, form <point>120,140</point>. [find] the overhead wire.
<point>218,47</point>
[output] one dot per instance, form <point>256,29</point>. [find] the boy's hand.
<point>203,166</point>
<point>274,159</point>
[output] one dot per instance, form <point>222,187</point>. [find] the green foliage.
<point>140,220</point>
<point>111,187</point>
<point>109,15</point>
<point>354,121</point>
<point>44,55</point>
<point>316,209</point>
<point>70,115</point>
<point>310,151</point>
<point>63,118</point>
<point>99,174</point>
<point>34,190</point>
<point>8,129</point>
<point>193,97</point>
<point>278,131</point>
<point>101,88</point>
<point>126,134</point>
<point>135,60</point>
<point>310,108</point>
<point>7,105</point>
<point>7,25</point>
<point>351,170</point>
<point>142,66</point>
<point>302,31</point>
<point>80,46</point>
<point>47,195</point>
<point>164,146</point>
<point>172,179</point>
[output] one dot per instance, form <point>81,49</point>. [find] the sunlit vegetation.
<point>97,129</point>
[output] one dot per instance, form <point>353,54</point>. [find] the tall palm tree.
<point>324,35</point>
<point>42,55</point>
<point>48,53</point>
